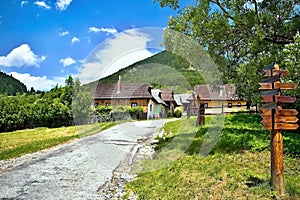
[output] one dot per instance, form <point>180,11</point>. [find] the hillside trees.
<point>241,36</point>
<point>10,86</point>
<point>49,109</point>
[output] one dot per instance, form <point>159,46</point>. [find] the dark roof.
<point>223,92</point>
<point>167,94</point>
<point>127,91</point>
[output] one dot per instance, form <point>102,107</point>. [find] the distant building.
<point>224,96</point>
<point>167,96</point>
<point>181,100</point>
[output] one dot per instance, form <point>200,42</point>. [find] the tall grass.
<point>238,167</point>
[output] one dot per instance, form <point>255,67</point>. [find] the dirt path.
<point>77,170</point>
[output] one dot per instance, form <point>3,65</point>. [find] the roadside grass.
<point>238,167</point>
<point>17,143</point>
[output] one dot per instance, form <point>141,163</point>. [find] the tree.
<point>242,36</point>
<point>291,61</point>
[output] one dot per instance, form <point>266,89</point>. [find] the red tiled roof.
<point>127,91</point>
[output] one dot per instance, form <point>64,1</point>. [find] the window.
<point>229,105</point>
<point>239,104</point>
<point>206,105</point>
<point>133,105</point>
<point>107,103</point>
<point>96,105</point>
<point>150,107</point>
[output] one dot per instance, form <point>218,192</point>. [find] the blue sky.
<point>44,41</point>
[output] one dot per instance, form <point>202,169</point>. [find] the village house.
<point>223,98</point>
<point>167,95</point>
<point>132,95</point>
<point>181,101</point>
<point>157,107</point>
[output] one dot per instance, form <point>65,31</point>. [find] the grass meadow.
<point>238,166</point>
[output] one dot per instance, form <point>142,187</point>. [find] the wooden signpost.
<point>277,119</point>
<point>201,115</point>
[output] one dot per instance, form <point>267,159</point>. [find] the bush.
<point>169,113</point>
<point>134,112</point>
<point>102,110</point>
<point>177,114</point>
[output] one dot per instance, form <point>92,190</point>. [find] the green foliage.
<point>102,110</point>
<point>177,113</point>
<point>10,86</point>
<point>291,61</point>
<point>241,36</point>
<point>30,110</point>
<point>125,112</point>
<point>134,112</point>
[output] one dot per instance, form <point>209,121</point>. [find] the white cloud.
<point>64,33</point>
<point>114,54</point>
<point>94,29</point>
<point>67,61</point>
<point>62,4</point>
<point>105,30</point>
<point>23,3</point>
<point>42,83</point>
<point>21,56</point>
<point>109,30</point>
<point>74,39</point>
<point>42,4</point>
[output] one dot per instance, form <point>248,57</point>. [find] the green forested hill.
<point>161,70</point>
<point>10,86</point>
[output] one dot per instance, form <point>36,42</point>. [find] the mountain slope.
<point>162,70</point>
<point>10,86</point>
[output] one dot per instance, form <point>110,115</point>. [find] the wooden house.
<point>167,95</point>
<point>132,95</point>
<point>224,97</point>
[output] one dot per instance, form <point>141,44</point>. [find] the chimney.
<point>119,85</point>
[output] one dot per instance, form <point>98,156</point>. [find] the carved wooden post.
<point>277,119</point>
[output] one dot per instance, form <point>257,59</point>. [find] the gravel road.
<point>81,169</point>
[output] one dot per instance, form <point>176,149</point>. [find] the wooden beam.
<point>278,85</point>
<point>271,79</point>
<point>274,72</point>
<point>281,126</point>
<point>277,175</point>
<point>280,111</point>
<point>280,99</point>
<point>279,119</point>
<point>270,92</point>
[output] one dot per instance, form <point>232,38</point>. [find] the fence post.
<point>222,108</point>
<point>201,115</point>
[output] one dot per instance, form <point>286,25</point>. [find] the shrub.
<point>177,114</point>
<point>102,110</point>
<point>134,112</point>
<point>169,113</point>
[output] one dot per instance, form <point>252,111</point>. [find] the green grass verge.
<point>17,143</point>
<point>238,167</point>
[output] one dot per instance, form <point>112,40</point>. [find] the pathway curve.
<point>75,170</point>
